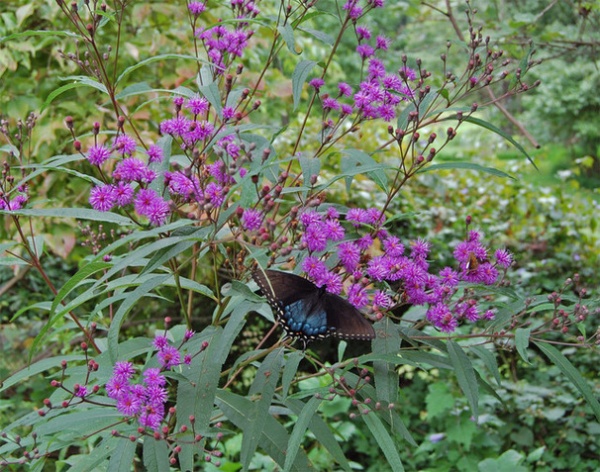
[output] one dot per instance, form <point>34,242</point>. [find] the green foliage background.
<point>547,217</point>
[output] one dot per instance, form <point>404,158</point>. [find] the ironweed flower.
<point>251,219</point>
<point>375,260</point>
<point>149,204</point>
<point>98,154</point>
<point>124,144</point>
<point>103,197</point>
<point>133,170</point>
<point>146,399</point>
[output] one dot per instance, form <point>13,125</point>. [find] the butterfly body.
<point>473,263</point>
<point>308,312</point>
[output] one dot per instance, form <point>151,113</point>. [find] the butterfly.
<point>473,263</point>
<point>308,312</point>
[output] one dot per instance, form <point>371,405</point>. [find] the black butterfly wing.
<point>345,319</point>
<point>283,287</point>
<point>297,303</point>
<point>309,312</point>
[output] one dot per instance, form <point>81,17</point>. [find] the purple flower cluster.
<point>17,201</point>
<point>168,355</point>
<point>378,95</point>
<point>223,44</point>
<point>362,253</point>
<point>145,400</point>
<point>203,183</point>
<point>130,179</point>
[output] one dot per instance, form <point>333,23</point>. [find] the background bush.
<point>547,217</point>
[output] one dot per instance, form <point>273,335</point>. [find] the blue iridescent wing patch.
<point>308,312</point>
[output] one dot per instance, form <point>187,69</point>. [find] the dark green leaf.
<point>131,300</point>
<point>468,166</point>
<point>565,366</point>
<point>499,132</point>
<point>489,360</point>
<point>292,362</point>
<point>384,441</point>
<point>265,382</point>
<point>322,432</point>
<point>97,458</point>
<point>356,162</point>
<point>212,94</point>
<point>522,343</point>
<point>37,368</point>
<point>122,455</point>
<point>156,455</point>
<point>320,35</point>
<point>304,419</point>
<point>387,343</point>
<point>465,375</point>
<point>156,58</point>
<point>77,213</point>
<point>275,438</point>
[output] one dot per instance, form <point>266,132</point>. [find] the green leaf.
<point>523,65</point>
<point>134,89</point>
<point>10,149</point>
<point>465,375</point>
<point>489,360</point>
<point>37,368</point>
<point>356,162</point>
<point>386,376</point>
<point>320,35</point>
<point>434,360</point>
<point>122,455</point>
<point>322,432</point>
<point>438,400</point>
<point>509,461</point>
<point>289,371</point>
<point>206,378</point>
<point>96,459</point>
<point>77,213</point>
<point>522,343</point>
<point>131,300</point>
<point>287,32</point>
<point>424,105</point>
<point>209,89</point>
<point>275,438</point>
<point>304,419</point>
<point>572,374</point>
<point>384,441</point>
<point>79,81</point>
<point>402,122</point>
<point>299,76</point>
<point>166,253</point>
<point>81,275</point>
<point>536,454</point>
<point>156,455</point>
<point>499,132</point>
<point>468,166</point>
<point>310,166</point>
<point>80,422</point>
<point>42,33</point>
<point>265,382</point>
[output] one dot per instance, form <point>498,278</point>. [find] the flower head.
<point>98,155</point>
<point>149,204</point>
<point>103,198</point>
